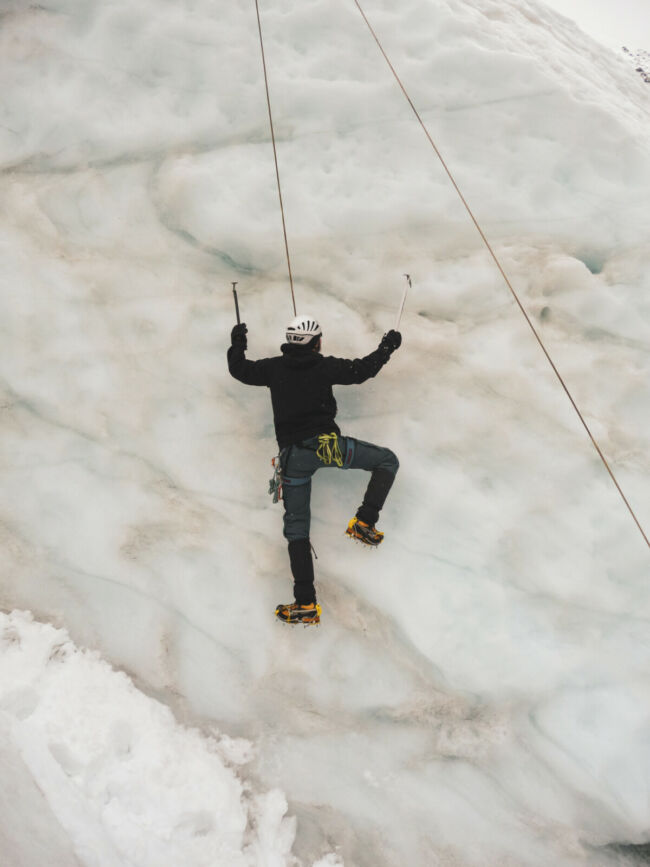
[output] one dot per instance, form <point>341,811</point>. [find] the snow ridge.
<point>128,784</point>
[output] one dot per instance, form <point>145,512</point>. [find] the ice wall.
<point>478,689</point>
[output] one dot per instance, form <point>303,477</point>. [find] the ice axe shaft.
<point>401,307</point>
<point>234,292</point>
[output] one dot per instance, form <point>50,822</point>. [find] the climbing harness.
<point>328,450</point>
<point>276,481</point>
<point>503,274</point>
<point>279,481</point>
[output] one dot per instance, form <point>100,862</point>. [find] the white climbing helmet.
<point>302,329</point>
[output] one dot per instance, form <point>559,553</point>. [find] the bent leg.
<point>383,466</point>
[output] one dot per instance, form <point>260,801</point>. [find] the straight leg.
<point>299,467</point>
<point>302,569</point>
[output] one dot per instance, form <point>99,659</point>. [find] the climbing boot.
<point>364,533</point>
<point>308,615</point>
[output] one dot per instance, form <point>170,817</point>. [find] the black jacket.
<point>301,383</point>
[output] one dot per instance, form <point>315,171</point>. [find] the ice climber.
<point>304,409</point>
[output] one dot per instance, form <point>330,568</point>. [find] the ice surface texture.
<point>478,691</point>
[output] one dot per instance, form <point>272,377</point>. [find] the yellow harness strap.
<point>328,449</point>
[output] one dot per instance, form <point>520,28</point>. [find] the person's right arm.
<point>347,371</point>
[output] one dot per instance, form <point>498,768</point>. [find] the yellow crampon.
<point>328,449</point>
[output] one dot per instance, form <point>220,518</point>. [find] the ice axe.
<point>234,292</point>
<point>401,307</point>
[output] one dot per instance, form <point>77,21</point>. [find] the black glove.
<point>238,335</point>
<point>391,341</point>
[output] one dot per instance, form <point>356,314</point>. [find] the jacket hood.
<point>298,356</point>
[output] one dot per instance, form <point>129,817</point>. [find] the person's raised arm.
<point>347,371</point>
<point>248,372</point>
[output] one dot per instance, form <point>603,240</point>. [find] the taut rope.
<point>504,275</point>
<point>275,157</point>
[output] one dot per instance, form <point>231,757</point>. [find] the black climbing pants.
<point>299,463</point>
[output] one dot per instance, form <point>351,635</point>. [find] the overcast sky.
<point>614,22</point>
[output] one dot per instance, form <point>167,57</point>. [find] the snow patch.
<point>127,783</point>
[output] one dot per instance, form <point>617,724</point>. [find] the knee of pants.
<point>390,462</point>
<point>296,525</point>
<point>297,511</point>
<point>295,534</point>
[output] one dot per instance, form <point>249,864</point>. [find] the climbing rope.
<point>329,450</point>
<point>504,275</point>
<point>275,157</point>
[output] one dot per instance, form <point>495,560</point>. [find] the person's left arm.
<point>248,372</point>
